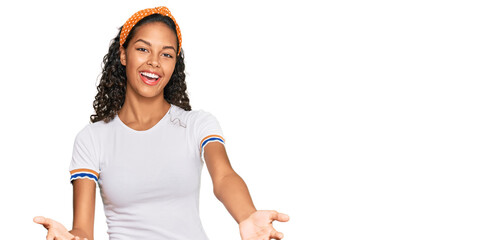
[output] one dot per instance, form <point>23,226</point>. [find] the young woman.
<point>145,148</point>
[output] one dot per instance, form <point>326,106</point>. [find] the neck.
<point>143,110</point>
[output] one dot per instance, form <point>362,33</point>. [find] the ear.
<point>122,55</point>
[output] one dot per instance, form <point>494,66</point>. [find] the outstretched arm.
<point>232,191</point>
<point>84,195</point>
<point>228,186</point>
<point>84,191</point>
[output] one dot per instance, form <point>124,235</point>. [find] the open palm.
<point>258,226</point>
<point>55,230</point>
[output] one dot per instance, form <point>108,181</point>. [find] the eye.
<point>141,49</point>
<point>167,55</point>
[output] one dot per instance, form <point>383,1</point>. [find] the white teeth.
<point>150,75</point>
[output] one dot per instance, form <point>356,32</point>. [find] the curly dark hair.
<point>112,87</point>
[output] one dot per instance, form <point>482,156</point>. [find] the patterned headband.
<point>147,12</point>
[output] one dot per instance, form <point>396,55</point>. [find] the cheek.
<point>132,74</point>
<point>133,62</point>
<point>130,71</point>
<point>169,69</point>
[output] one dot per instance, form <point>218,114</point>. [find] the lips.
<point>150,78</point>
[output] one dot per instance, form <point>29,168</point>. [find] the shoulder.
<point>99,126</point>
<point>202,118</point>
<point>94,130</point>
<point>190,117</point>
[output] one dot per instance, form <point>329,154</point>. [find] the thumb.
<point>42,220</point>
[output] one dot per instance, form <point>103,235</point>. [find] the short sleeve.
<point>207,129</point>
<point>84,163</point>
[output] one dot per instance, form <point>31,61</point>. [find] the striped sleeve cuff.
<point>84,173</point>
<point>208,139</point>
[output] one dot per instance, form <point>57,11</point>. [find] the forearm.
<point>81,234</point>
<point>232,191</point>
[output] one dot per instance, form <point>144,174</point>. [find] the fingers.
<point>283,217</point>
<point>276,235</point>
<point>49,237</point>
<point>42,220</point>
<point>39,219</point>
<point>279,216</point>
<point>55,231</point>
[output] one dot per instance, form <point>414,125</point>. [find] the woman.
<point>145,148</point>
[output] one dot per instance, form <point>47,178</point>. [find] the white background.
<point>359,119</point>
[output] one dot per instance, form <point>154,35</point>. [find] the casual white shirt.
<point>149,180</point>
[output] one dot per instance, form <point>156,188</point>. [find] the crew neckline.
<point>148,130</point>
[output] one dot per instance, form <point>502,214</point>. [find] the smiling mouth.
<point>149,78</point>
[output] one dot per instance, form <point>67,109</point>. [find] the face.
<point>150,59</point>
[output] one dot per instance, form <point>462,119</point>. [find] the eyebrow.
<point>150,45</point>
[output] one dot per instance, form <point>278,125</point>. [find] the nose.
<point>153,61</point>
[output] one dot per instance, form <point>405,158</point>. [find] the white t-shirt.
<point>149,180</point>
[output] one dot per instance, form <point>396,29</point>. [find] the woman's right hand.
<point>55,230</point>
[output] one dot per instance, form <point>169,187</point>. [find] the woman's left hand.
<point>258,226</point>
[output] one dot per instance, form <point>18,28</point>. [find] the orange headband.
<point>147,12</point>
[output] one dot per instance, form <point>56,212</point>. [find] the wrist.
<point>246,216</point>
<point>80,233</point>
